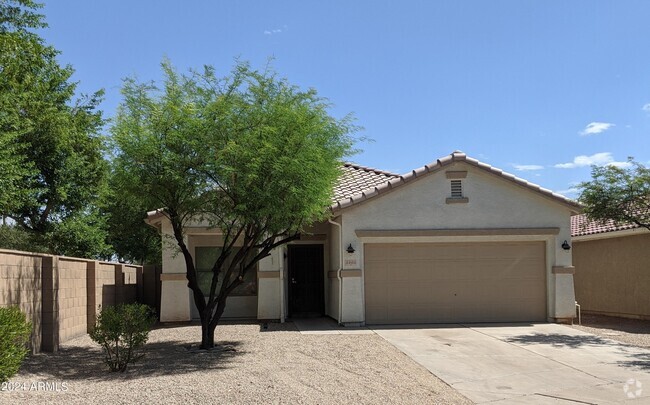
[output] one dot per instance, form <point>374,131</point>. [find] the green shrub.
<point>14,337</point>
<point>122,331</point>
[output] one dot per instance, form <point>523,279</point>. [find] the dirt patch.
<point>254,365</point>
<point>631,331</point>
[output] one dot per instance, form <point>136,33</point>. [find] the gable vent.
<point>456,189</point>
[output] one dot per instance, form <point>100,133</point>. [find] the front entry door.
<point>306,294</point>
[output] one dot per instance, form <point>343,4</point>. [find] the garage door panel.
<point>421,273</point>
<point>380,271</point>
<point>460,282</point>
<point>376,292</point>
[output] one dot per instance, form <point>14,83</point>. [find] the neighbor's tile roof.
<point>581,226</point>
<point>355,179</point>
<point>388,181</point>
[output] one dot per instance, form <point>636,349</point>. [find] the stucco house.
<point>453,241</point>
<point>612,267</point>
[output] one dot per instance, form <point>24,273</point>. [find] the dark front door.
<point>306,296</point>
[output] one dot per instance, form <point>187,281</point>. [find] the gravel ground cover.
<point>253,365</point>
<point>631,331</point>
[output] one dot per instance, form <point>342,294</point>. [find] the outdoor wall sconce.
<point>566,246</point>
<point>350,249</point>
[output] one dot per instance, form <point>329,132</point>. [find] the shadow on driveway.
<point>556,339</point>
<point>639,362</point>
<point>639,359</point>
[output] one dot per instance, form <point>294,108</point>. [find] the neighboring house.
<point>453,241</point>
<point>612,267</point>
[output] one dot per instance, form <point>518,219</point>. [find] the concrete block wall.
<point>72,298</point>
<point>104,285</point>
<point>20,285</point>
<point>62,296</point>
<point>130,276</point>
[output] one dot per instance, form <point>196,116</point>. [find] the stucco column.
<point>562,276</point>
<point>268,286</point>
<point>352,311</point>
<point>174,293</point>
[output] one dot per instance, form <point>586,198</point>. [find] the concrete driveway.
<point>524,364</point>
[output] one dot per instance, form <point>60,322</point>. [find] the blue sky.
<point>541,89</point>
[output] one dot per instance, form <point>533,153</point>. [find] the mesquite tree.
<point>251,154</point>
<point>618,194</point>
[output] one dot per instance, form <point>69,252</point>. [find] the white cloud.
<point>596,128</point>
<point>646,107</point>
<point>597,159</point>
<point>275,31</point>
<point>526,168</point>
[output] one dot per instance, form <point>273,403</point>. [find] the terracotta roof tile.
<point>581,226</point>
<point>359,179</point>
<point>377,182</point>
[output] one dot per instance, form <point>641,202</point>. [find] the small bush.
<point>122,331</point>
<point>14,336</point>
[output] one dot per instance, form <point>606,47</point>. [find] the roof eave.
<point>154,218</point>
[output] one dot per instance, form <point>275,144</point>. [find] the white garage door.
<point>454,282</point>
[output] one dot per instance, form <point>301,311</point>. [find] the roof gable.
<point>395,182</point>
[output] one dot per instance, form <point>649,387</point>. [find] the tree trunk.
<point>207,334</point>
<point>209,324</point>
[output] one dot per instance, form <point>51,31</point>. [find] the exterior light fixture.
<point>566,246</point>
<point>350,249</point>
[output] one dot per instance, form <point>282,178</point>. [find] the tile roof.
<point>581,226</point>
<point>391,181</point>
<point>355,179</point>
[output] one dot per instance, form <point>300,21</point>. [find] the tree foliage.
<point>16,238</point>
<point>130,237</point>
<point>618,194</point>
<point>17,44</point>
<point>51,153</point>
<point>251,154</point>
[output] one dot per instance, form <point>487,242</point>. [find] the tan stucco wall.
<point>174,294</point>
<point>176,297</point>
<point>271,299</point>
<point>613,275</point>
<point>493,203</point>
